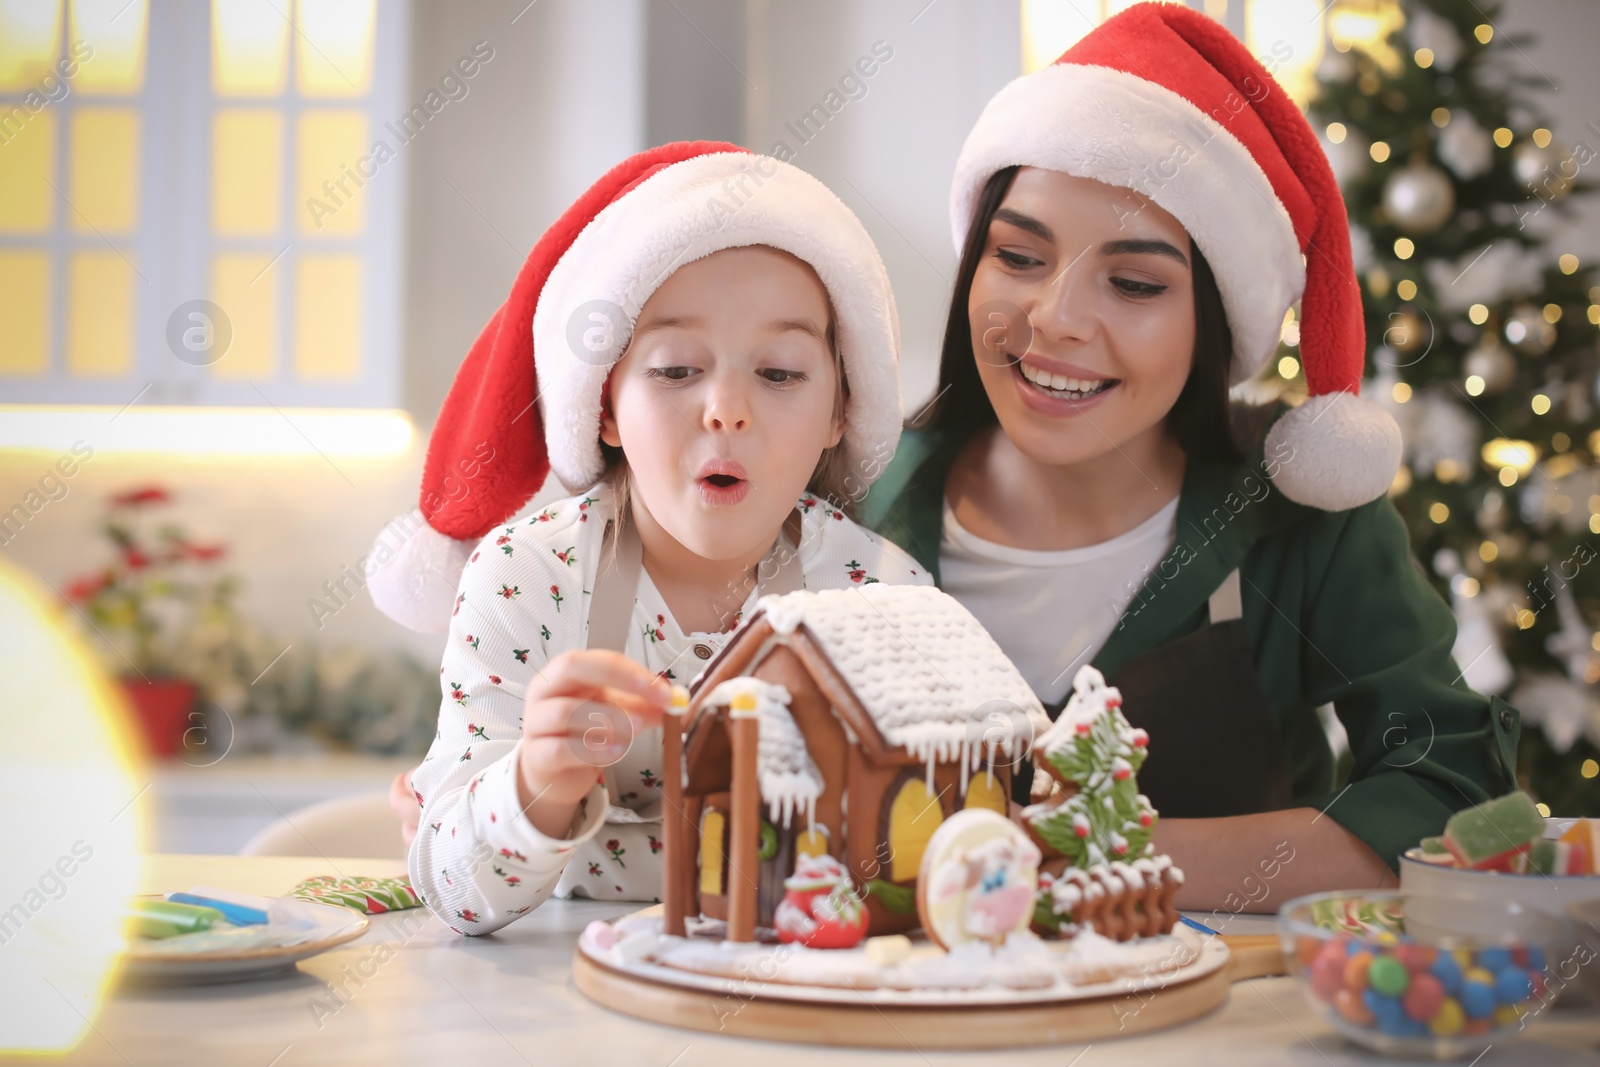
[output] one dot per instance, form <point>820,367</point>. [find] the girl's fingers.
<point>586,670</point>
<point>551,714</point>
<point>568,731</point>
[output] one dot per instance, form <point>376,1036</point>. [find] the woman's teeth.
<point>1060,385</point>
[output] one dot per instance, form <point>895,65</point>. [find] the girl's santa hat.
<point>1167,102</point>
<point>527,399</point>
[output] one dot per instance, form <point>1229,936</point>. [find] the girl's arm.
<point>477,860</point>
<point>1253,863</point>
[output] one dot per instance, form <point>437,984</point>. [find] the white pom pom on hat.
<point>527,399</point>
<point>1163,100</point>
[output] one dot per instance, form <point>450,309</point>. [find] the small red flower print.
<point>472,641</point>
<point>465,756</point>
<point>458,694</point>
<point>477,731</point>
<point>511,853</point>
<point>594,869</point>
<point>520,655</point>
<point>474,558</point>
<point>459,598</point>
<point>650,779</point>
<point>569,557</point>
<point>856,572</point>
<point>614,847</point>
<point>546,515</point>
<point>418,796</point>
<point>667,675</point>
<point>509,591</point>
<point>838,515</point>
<point>544,631</point>
<point>467,915</point>
<point>655,845</point>
<point>808,503</point>
<point>555,595</point>
<point>494,679</point>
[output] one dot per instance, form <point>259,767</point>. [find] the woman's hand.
<point>579,716</point>
<point>403,802</point>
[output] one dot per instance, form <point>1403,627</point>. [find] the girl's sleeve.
<point>477,861</point>
<point>1378,641</point>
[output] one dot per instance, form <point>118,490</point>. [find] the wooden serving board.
<point>1254,956</point>
<point>875,1024</point>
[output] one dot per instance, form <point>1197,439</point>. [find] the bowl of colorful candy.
<point>1417,975</point>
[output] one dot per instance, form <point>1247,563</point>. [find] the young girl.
<point>1134,222</point>
<point>715,344</point>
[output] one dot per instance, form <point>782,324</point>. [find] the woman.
<point>1134,222</point>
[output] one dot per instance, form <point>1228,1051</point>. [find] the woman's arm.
<point>1253,863</point>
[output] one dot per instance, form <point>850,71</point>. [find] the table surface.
<point>437,998</point>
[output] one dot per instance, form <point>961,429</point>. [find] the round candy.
<point>1512,985</point>
<point>1355,970</point>
<point>1422,1000</point>
<point>1415,957</point>
<point>1448,971</point>
<point>1536,979</point>
<point>1350,1005</point>
<point>1389,976</point>
<point>1536,958</point>
<point>1477,998</point>
<point>1508,1014</point>
<point>1327,977</point>
<point>1382,1007</point>
<point>1307,949</point>
<point>1449,1020</point>
<point>1494,959</point>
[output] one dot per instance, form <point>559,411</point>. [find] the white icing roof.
<point>922,666</point>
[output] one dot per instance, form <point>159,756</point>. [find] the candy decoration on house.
<point>1094,825</point>
<point>820,908</point>
<point>978,880</point>
<point>887,695</point>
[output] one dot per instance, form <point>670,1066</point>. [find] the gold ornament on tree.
<point>1490,362</point>
<point>1548,171</point>
<point>1528,331</point>
<point>1419,198</point>
<point>1408,332</point>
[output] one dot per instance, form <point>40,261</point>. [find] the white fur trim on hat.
<point>1335,451</point>
<point>1114,127</point>
<point>685,212</point>
<point>415,582</point>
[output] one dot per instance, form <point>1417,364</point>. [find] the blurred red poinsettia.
<point>160,590</point>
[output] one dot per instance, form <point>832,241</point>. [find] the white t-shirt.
<point>1052,611</point>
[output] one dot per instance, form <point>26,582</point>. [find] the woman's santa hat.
<point>527,399</point>
<point>1167,102</point>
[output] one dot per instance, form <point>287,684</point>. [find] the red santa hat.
<point>527,399</point>
<point>1167,102</point>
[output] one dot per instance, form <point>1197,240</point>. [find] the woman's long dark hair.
<point>1200,419</point>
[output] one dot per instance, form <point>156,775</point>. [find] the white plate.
<point>344,925</point>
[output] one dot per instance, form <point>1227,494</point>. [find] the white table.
<point>439,999</point>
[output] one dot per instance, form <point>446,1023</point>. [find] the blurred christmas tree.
<point>1483,338</point>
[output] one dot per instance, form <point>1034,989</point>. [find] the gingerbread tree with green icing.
<point>1095,813</point>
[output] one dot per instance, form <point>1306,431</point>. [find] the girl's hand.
<point>403,802</point>
<point>579,716</point>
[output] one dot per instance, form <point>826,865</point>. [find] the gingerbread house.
<point>850,722</point>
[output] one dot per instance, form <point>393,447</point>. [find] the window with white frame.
<point>201,203</point>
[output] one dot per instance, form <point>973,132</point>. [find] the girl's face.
<point>1082,317</point>
<point>724,399</point>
